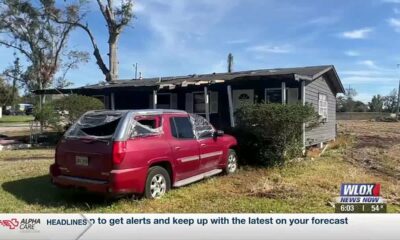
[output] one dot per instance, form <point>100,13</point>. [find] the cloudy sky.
<point>180,37</point>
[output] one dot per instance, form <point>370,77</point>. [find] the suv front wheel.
<point>231,165</point>
<point>158,182</point>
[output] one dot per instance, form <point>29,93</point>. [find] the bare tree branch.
<point>23,51</point>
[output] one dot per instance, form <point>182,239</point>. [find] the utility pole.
<point>398,98</point>
<point>135,66</point>
<point>398,102</point>
<point>230,62</point>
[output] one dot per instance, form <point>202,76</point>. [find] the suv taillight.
<point>119,151</point>
<point>56,153</point>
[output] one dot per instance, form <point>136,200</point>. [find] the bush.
<point>270,134</point>
<point>73,106</point>
<point>61,113</point>
<point>46,116</point>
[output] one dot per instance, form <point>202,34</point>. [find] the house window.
<point>199,106</point>
<point>164,101</point>
<point>199,103</point>
<point>323,106</point>
<point>273,95</point>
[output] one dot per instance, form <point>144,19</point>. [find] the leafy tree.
<point>376,104</point>
<point>27,28</point>
<point>346,102</point>
<point>13,74</point>
<point>117,17</point>
<point>6,93</point>
<point>390,101</point>
<point>359,106</point>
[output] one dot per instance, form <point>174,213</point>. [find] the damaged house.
<point>216,96</point>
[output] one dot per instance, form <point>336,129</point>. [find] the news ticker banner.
<point>199,226</point>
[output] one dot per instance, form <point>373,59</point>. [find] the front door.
<point>241,97</point>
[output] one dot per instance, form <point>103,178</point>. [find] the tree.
<point>376,104</point>
<point>359,106</point>
<point>14,73</point>
<point>28,29</point>
<point>74,58</point>
<point>346,103</point>
<point>116,17</point>
<point>5,93</point>
<point>390,101</point>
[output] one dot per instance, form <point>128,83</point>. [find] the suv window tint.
<point>181,128</point>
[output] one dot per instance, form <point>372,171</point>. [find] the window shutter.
<point>293,95</point>
<point>174,101</point>
<point>214,102</point>
<point>189,102</point>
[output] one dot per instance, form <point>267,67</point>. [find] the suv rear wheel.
<point>231,165</point>
<point>158,182</point>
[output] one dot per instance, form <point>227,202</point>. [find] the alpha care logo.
<point>29,224</point>
<point>10,223</point>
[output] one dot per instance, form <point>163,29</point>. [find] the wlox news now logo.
<point>360,193</point>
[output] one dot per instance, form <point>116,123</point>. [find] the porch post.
<point>112,101</point>
<point>206,104</point>
<point>303,101</point>
<point>283,88</point>
<point>154,99</point>
<point>232,120</point>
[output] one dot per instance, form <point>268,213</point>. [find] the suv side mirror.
<point>218,133</point>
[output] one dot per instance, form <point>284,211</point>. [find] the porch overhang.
<point>170,83</point>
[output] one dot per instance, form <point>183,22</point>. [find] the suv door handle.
<point>177,148</point>
<point>203,145</point>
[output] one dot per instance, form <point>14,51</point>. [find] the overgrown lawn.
<point>307,186</point>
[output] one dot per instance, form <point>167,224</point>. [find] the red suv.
<point>140,152</point>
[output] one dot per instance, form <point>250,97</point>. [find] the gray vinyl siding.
<point>326,131</point>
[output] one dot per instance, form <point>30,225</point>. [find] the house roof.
<point>298,73</point>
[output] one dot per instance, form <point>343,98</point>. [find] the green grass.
<point>15,119</point>
<point>302,187</point>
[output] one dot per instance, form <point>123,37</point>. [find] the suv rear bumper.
<point>118,182</point>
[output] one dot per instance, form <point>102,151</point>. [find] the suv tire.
<point>231,162</point>
<point>158,182</point>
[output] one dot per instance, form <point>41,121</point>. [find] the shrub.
<point>46,115</point>
<point>61,113</point>
<point>270,134</point>
<point>73,106</point>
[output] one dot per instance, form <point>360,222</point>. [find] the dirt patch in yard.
<point>376,146</point>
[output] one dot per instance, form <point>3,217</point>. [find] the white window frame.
<point>209,102</point>
<point>266,90</point>
<point>323,106</point>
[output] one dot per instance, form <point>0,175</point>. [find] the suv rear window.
<point>95,124</point>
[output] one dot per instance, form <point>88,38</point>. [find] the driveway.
<point>14,127</point>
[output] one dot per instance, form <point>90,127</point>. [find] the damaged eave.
<point>299,77</point>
